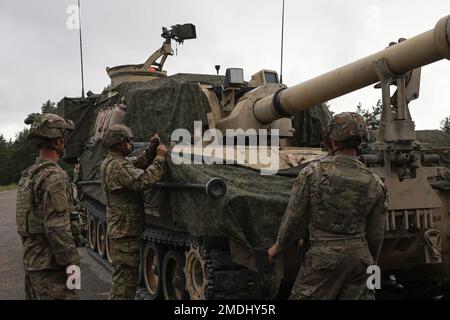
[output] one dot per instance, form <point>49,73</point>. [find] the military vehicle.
<point>208,225</point>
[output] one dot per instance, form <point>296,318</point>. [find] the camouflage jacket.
<point>336,198</point>
<point>123,180</point>
<point>44,205</point>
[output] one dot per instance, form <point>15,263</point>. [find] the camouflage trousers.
<point>48,285</point>
<point>334,272</point>
<point>126,258</point>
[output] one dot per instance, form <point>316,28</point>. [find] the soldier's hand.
<point>154,142</point>
<point>161,150</point>
<point>272,252</point>
<point>153,145</point>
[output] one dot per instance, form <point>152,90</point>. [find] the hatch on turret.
<point>152,68</point>
<point>132,73</point>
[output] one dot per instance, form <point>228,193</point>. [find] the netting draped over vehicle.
<point>254,204</point>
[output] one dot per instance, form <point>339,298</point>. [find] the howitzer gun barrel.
<point>421,50</point>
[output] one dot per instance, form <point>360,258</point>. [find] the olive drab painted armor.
<point>29,222</point>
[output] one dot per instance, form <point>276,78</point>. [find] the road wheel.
<point>109,250</point>
<point>101,239</point>
<point>173,280</point>
<point>152,261</point>
<point>195,274</point>
<point>92,233</point>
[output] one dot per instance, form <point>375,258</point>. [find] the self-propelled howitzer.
<point>205,248</point>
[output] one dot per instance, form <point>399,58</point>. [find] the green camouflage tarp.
<point>250,212</point>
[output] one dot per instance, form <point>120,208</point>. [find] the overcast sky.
<point>39,54</point>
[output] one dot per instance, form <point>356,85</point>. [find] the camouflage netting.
<point>253,206</point>
<point>308,126</point>
<point>81,112</point>
<point>436,138</point>
<point>166,104</point>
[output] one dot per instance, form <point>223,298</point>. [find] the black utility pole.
<point>282,44</point>
<point>81,50</point>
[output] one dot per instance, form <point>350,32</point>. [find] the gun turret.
<point>396,60</point>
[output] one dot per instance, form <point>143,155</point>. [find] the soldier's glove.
<point>154,143</point>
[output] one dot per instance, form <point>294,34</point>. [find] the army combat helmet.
<point>118,133</point>
<point>48,126</point>
<point>346,126</point>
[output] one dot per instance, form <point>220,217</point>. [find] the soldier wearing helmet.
<point>123,180</point>
<point>44,205</point>
<point>338,206</point>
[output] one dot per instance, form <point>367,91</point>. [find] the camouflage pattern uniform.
<point>340,204</point>
<point>44,205</point>
<point>123,181</point>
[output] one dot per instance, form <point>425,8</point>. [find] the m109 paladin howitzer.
<point>206,247</point>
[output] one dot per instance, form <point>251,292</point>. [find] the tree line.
<point>18,154</point>
<point>372,117</point>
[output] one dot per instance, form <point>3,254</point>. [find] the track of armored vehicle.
<point>163,277</point>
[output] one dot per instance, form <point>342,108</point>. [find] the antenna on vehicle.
<point>282,44</point>
<point>81,51</point>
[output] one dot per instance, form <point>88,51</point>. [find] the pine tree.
<point>4,161</point>
<point>48,107</point>
<point>24,153</point>
<point>445,125</point>
<point>373,116</point>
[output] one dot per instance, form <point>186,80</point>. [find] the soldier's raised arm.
<point>376,218</point>
<point>294,224</point>
<point>137,179</point>
<point>56,220</point>
<point>146,157</point>
<point>141,161</point>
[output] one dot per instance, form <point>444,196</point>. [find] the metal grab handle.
<point>215,188</point>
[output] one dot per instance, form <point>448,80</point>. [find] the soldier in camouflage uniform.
<point>123,180</point>
<point>340,205</point>
<point>44,205</point>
